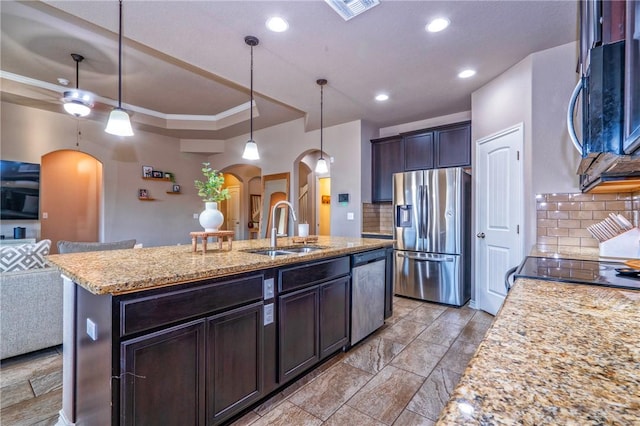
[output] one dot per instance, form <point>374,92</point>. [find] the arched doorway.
<point>311,187</point>
<point>238,178</point>
<point>71,196</point>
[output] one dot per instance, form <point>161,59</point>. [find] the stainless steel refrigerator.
<point>432,229</point>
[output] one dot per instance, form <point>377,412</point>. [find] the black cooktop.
<point>578,271</point>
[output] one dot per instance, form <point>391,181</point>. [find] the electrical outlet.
<point>45,215</point>
<point>92,329</point>
<point>195,215</point>
<point>268,314</point>
<point>350,216</point>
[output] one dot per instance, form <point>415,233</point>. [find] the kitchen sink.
<point>285,250</point>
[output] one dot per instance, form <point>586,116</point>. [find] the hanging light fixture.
<point>119,123</point>
<point>251,148</point>
<point>321,166</point>
<point>77,102</point>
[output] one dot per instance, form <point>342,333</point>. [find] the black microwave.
<point>603,100</point>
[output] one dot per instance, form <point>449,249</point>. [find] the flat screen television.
<point>19,190</point>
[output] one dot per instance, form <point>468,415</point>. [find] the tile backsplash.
<point>562,219</point>
<point>377,218</point>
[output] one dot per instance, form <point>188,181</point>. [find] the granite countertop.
<point>125,271</point>
<point>556,353</point>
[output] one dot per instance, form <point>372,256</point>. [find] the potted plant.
<point>211,191</point>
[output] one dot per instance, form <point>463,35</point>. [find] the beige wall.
<point>28,133</point>
<point>534,92</point>
<point>281,145</point>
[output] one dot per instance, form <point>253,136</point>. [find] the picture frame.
<point>168,175</point>
<point>176,188</point>
<point>143,193</point>
<point>147,171</point>
<point>157,174</point>
<point>326,199</point>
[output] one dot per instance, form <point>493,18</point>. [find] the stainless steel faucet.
<point>274,230</point>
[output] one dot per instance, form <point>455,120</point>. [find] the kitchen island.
<point>557,353</point>
<point>166,335</point>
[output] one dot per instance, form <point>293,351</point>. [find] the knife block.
<point>625,245</point>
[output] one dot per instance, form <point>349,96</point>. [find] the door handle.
<point>426,259</point>
<point>570,118</point>
<point>480,235</point>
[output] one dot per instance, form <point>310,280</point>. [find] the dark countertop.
<point>125,271</point>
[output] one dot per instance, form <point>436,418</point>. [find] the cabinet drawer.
<point>314,273</point>
<point>148,312</point>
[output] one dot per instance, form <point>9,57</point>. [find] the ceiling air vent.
<point>350,8</point>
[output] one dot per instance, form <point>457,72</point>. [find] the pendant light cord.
<point>321,108</point>
<point>251,103</point>
<point>120,59</point>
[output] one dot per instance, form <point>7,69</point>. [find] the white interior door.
<point>233,211</point>
<point>499,216</point>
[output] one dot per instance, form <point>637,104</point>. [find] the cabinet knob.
<point>480,235</point>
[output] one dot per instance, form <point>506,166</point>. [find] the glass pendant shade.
<point>321,166</point>
<point>119,123</point>
<point>251,151</point>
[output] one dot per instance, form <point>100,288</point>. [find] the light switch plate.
<point>350,216</point>
<point>268,288</point>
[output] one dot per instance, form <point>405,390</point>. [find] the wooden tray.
<point>633,263</point>
<point>305,240</point>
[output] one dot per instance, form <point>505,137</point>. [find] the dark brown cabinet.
<point>163,377</point>
<point>334,315</point>
<point>452,147</point>
<point>234,360</point>
<point>439,147</point>
<point>313,311</point>
<point>387,158</point>
<point>418,151</point>
<point>199,371</point>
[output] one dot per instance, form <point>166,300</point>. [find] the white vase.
<point>211,218</point>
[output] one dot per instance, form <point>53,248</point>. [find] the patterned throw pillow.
<point>24,256</point>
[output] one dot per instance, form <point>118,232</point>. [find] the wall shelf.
<point>174,192</point>
<point>146,199</point>
<point>163,179</point>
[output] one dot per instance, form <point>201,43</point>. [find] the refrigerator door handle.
<point>426,259</point>
<point>424,217</point>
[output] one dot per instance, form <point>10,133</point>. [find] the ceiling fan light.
<point>321,166</point>
<point>119,123</point>
<point>77,108</point>
<point>251,151</point>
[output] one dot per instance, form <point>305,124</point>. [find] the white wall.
<point>29,133</point>
<point>281,145</point>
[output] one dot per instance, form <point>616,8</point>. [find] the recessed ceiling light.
<point>467,73</point>
<point>277,24</point>
<point>382,97</point>
<point>437,25</point>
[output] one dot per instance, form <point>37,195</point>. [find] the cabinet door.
<point>299,332</point>
<point>418,151</point>
<point>234,360</point>
<point>334,315</point>
<point>163,377</point>
<point>453,146</point>
<point>387,158</point>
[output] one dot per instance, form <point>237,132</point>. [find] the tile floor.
<point>403,374</point>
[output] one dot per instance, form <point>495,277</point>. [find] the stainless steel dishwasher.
<point>367,295</point>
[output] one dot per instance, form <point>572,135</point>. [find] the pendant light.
<point>77,102</point>
<point>321,166</point>
<point>251,148</point>
<point>119,123</point>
